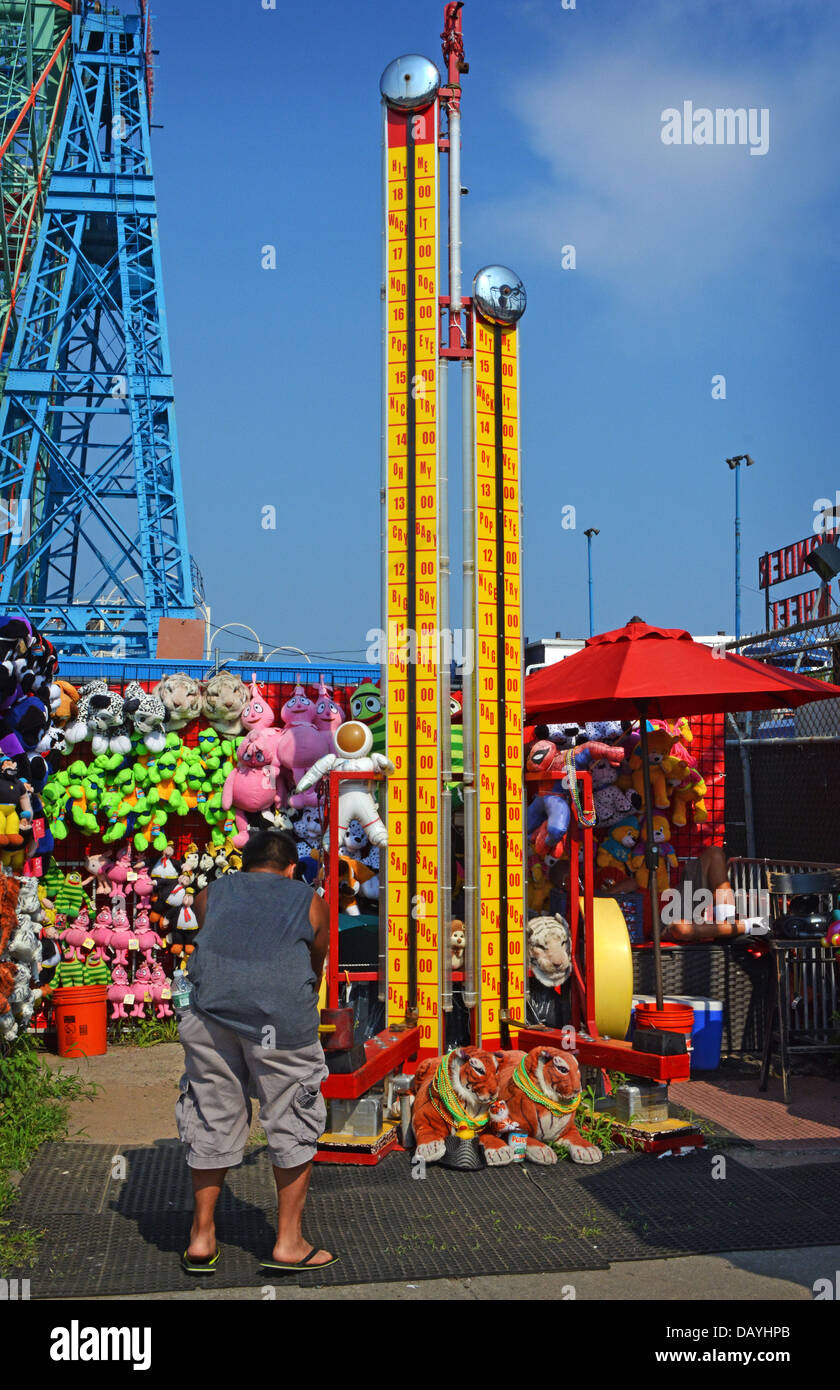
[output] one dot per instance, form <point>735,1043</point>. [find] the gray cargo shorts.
<point>213,1111</point>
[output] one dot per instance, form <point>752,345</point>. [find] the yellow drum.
<point>613,968</point>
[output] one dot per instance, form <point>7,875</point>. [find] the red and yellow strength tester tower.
<point>423,331</point>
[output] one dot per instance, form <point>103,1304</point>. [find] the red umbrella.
<point>668,671</point>
<point>641,672</point>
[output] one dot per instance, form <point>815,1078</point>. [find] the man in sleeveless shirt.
<point>252,1022</point>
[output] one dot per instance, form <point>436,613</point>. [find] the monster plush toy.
<point>71,897</point>
<point>667,858</point>
<point>353,743</point>
<point>301,744</point>
<point>252,786</point>
<point>456,744</point>
<point>366,706</point>
<point>328,714</point>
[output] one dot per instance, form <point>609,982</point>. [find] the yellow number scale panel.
<point>498,679</point>
<point>411,618</point>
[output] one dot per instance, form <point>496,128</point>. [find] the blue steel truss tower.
<point>94,548</point>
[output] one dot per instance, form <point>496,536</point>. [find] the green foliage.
<point>148,1032</point>
<point>595,1125</point>
<point>33,1109</point>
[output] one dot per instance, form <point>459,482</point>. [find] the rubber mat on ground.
<point>124,1234</point>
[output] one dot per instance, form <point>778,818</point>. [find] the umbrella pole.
<point>651,858</point>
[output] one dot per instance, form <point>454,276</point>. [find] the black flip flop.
<point>301,1264</point>
<point>192,1265</point>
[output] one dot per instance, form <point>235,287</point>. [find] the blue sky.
<point>692,261</point>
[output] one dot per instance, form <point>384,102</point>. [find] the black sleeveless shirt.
<point>251,969</point>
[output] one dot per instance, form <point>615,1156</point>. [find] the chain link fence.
<point>783,765</point>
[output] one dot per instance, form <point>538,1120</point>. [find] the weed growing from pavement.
<point>595,1126</point>
<point>33,1110</point>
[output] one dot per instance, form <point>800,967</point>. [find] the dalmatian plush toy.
<point>147,714</point>
<point>78,729</point>
<point>612,804</point>
<point>306,828</point>
<point>107,724</point>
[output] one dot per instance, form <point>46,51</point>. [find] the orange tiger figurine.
<point>452,1095</point>
<point>542,1091</point>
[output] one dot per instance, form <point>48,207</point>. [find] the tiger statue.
<point>463,1081</point>
<point>554,1075</point>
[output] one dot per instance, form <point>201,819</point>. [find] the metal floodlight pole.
<point>735,465</point>
<point>592,531</point>
<point>651,858</point>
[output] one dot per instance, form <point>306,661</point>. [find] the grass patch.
<point>149,1032</point>
<point>33,1110</point>
<point>594,1124</point>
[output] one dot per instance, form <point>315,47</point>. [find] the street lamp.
<point>592,531</point>
<point>735,465</point>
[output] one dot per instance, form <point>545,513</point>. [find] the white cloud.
<point>646,216</point>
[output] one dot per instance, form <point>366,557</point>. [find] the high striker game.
<point>423,331</point>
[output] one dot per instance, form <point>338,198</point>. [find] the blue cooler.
<point>707,1033</point>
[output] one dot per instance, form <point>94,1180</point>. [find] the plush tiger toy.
<point>542,1091</point>
<point>452,1095</point>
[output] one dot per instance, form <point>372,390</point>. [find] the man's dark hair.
<point>276,848</point>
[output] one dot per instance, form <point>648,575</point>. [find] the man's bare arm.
<point>200,906</point>
<point>319,916</point>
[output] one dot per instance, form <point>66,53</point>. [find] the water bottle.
<point>181,990</point>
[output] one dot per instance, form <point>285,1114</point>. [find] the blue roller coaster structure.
<point>93,540</point>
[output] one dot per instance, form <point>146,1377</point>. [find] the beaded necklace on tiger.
<point>526,1085</point>
<point>466,1125</point>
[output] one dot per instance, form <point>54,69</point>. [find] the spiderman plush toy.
<point>549,814</point>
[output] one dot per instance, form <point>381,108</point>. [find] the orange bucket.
<point>81,1020</point>
<point>673,1018</point>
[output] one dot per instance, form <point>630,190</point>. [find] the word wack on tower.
<point>423,331</point>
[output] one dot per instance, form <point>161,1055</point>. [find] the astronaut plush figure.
<point>353,742</point>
